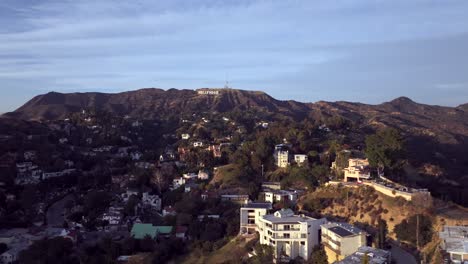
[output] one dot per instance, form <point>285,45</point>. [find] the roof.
<point>257,205</point>
<point>163,229</point>
<point>455,239</point>
<point>342,229</point>
<point>139,231</point>
<point>286,216</point>
<point>375,256</point>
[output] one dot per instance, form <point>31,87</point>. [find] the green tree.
<point>385,149</point>
<point>264,254</point>
<point>55,250</point>
<point>381,233</point>
<point>318,255</point>
<point>408,230</point>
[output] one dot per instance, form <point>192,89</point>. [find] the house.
<point>216,150</point>
<point>235,198</point>
<point>48,175</point>
<point>271,185</point>
<point>300,159</point>
<point>290,235</point>
<point>136,155</point>
<point>203,217</point>
<point>169,210</point>
<point>357,169</point>
<point>203,175</point>
<point>374,256</point>
<point>208,195</point>
<point>63,140</point>
<point>455,242</point>
<point>341,240</point>
<point>152,201</point>
<point>281,156</point>
<point>11,255</point>
<point>29,155</point>
<point>197,144</point>
<point>144,165</point>
<point>185,136</point>
<point>163,231</point>
<point>190,175</point>
<point>140,231</point>
<point>190,187</point>
<point>181,232</point>
<point>250,214</point>
<point>177,182</point>
<point>273,196</point>
<point>126,195</point>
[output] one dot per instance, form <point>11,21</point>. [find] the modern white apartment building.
<point>455,242</point>
<point>357,169</point>
<point>290,235</point>
<point>341,240</point>
<point>250,213</point>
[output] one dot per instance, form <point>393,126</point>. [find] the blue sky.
<point>355,50</point>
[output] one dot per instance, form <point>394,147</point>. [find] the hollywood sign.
<point>208,92</point>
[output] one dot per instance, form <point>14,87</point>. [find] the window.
<point>303,243</point>
<point>286,235</point>
<point>287,227</point>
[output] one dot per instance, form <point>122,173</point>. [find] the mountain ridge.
<point>449,124</point>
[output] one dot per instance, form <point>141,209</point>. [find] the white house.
<point>455,243</point>
<point>197,144</point>
<point>177,182</point>
<point>190,175</point>
<point>185,136</point>
<point>273,196</point>
<point>203,175</point>
<point>152,201</point>
<point>300,159</point>
<point>357,169</point>
<point>250,214</point>
<point>290,235</point>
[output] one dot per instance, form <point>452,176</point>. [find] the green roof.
<point>165,230</point>
<point>139,231</point>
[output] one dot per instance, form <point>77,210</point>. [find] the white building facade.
<point>290,235</point>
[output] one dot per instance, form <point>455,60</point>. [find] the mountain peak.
<point>403,100</point>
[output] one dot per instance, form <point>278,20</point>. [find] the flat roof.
<point>257,205</point>
<point>375,256</point>
<point>287,219</point>
<point>340,231</point>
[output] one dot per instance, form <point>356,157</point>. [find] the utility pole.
<point>262,172</point>
<point>417,231</point>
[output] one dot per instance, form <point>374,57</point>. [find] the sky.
<point>368,51</point>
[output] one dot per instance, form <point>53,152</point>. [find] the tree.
<point>381,234</point>
<point>55,250</point>
<point>385,149</point>
<point>264,254</point>
<point>407,230</point>
<point>318,256</point>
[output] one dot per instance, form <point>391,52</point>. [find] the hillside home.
<point>152,201</point>
<point>235,198</point>
<point>177,182</point>
<point>273,196</point>
<point>341,240</point>
<point>203,175</point>
<point>185,136</point>
<point>197,144</point>
<point>357,169</point>
<point>455,243</point>
<point>300,159</point>
<point>290,235</point>
<point>250,214</point>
